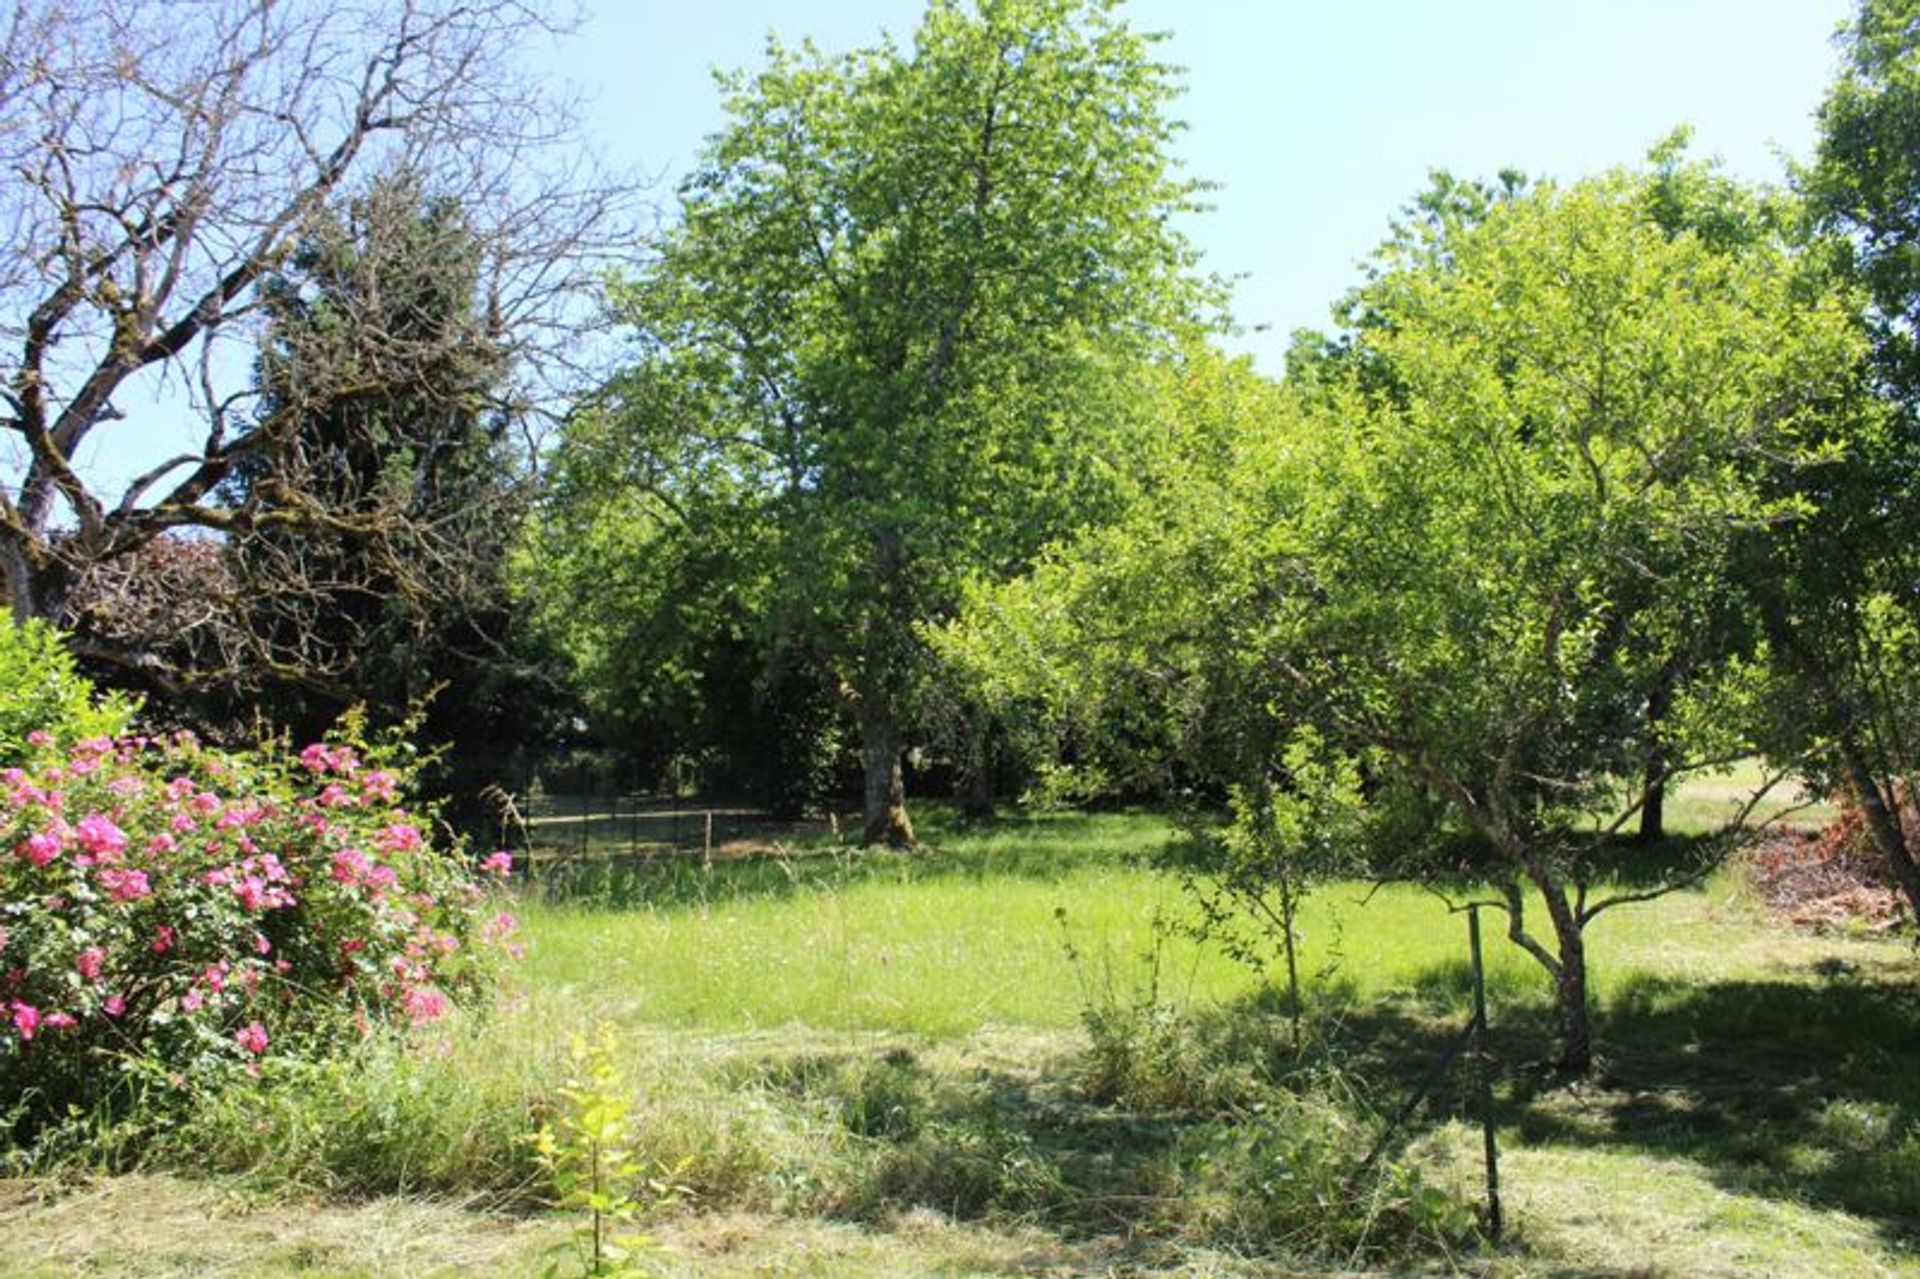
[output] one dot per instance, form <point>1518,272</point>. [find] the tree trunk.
<point>1575,1011</point>
<point>1653,794</point>
<point>884,814</point>
<point>976,782</point>
<point>1289,908</point>
<point>33,591</point>
<point>1570,996</point>
<point>1882,822</point>
<point>1566,963</point>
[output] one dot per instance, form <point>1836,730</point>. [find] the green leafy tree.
<point>1863,181</point>
<point>1836,590</point>
<point>892,322</point>
<point>1297,824</point>
<point>1492,571</point>
<point>586,1147</point>
<point>1117,659</point>
<point>1473,540</point>
<point>654,598</point>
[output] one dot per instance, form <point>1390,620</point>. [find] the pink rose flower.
<point>126,885</point>
<point>252,892</point>
<point>89,962</point>
<point>40,848</point>
<point>423,1003</point>
<point>99,836</point>
<point>401,837</point>
<point>252,1037</point>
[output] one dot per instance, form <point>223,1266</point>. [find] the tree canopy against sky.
<point>888,321</point>
<point>164,160</point>
<point>1837,592</point>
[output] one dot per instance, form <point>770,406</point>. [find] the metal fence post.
<point>1484,1070</point>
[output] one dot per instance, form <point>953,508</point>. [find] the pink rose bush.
<point>171,912</point>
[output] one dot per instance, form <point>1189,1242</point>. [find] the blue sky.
<point>1319,120</point>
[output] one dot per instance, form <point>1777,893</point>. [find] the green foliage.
<point>1516,500</point>
<point>1138,1054</point>
<point>1285,1177</point>
<point>1834,588</point>
<point>174,919</point>
<point>439,1113</point>
<point>42,691</point>
<point>1492,567</point>
<point>1286,834</point>
<point>887,346</point>
<point>1867,171</point>
<point>1273,1160</point>
<point>1112,658</point>
<point>587,1149</point>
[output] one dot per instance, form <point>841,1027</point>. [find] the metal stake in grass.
<point>1483,1069</point>
<point>1472,1038</point>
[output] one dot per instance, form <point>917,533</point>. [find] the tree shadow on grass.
<point>1801,1088</point>
<point>1050,1144</point>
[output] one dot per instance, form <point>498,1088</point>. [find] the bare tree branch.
<point>162,161</point>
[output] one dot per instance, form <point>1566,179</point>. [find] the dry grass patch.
<point>155,1227</point>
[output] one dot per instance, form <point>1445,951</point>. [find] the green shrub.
<point>970,1165</point>
<point>172,917</point>
<point>42,692</point>
<point>1288,1179</point>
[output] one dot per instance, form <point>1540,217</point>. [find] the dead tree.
<point>164,159</point>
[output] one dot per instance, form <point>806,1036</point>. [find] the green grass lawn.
<point>1706,801</point>
<point>877,1065</point>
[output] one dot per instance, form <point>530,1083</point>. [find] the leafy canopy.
<point>887,345</point>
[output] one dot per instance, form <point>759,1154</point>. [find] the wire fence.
<point>548,828</point>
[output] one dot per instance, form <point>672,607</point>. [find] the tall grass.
<point>941,947</point>
<point>1019,1029</point>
